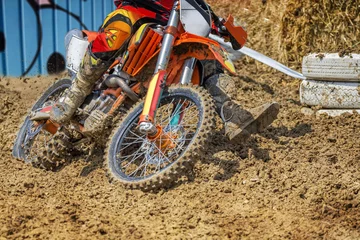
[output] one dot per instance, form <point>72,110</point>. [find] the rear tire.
<point>146,156</point>
<point>19,149</point>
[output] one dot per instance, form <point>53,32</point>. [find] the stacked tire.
<point>332,82</point>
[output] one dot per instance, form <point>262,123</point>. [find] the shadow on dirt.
<point>250,149</point>
<point>230,164</point>
<point>298,131</point>
<point>95,161</point>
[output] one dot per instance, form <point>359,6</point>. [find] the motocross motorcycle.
<point>149,110</point>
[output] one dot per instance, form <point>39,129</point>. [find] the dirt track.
<point>300,179</point>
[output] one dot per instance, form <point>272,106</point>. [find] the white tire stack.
<point>332,83</point>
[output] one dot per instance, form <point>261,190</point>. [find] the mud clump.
<point>299,179</point>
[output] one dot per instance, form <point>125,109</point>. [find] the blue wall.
<point>32,31</point>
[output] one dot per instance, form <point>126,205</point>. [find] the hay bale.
<point>320,26</point>
<point>261,20</point>
<point>290,29</point>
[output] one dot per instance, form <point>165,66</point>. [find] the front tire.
<point>138,162</point>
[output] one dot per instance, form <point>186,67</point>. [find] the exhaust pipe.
<point>114,81</point>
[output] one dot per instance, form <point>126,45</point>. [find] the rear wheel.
<point>185,115</point>
<point>32,144</point>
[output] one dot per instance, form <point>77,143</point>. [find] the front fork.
<point>157,83</point>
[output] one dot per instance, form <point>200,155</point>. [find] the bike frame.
<point>178,53</point>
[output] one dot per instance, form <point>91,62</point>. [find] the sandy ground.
<point>300,179</point>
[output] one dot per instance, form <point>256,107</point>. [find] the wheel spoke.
<point>126,157</point>
<point>161,152</point>
<point>136,135</point>
<point>137,169</point>
<point>130,144</point>
<point>133,160</point>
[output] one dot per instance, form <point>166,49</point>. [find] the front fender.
<point>189,45</point>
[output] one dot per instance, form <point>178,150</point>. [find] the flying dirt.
<point>298,179</point>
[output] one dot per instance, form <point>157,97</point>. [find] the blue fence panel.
<point>48,41</point>
<point>2,42</point>
<point>32,32</point>
<point>13,49</point>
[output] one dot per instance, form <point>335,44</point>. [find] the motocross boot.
<point>91,69</point>
<point>239,123</point>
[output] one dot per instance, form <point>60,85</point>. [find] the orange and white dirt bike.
<point>149,110</point>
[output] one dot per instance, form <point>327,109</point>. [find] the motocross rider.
<point>111,39</point>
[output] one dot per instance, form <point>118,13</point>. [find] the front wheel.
<point>185,115</point>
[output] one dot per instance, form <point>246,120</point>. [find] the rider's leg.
<point>115,31</point>
<point>239,123</point>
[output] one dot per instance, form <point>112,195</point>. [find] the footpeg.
<point>39,116</point>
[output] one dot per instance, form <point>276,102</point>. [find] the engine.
<point>93,113</point>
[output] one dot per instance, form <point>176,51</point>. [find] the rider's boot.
<point>239,123</point>
<point>91,69</point>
